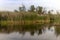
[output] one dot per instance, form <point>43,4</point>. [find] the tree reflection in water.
<point>30,28</point>
<point>57,30</point>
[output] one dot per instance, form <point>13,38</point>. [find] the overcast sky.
<point>10,5</point>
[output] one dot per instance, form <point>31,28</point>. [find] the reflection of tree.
<point>39,31</point>
<point>57,30</point>
<point>23,32</point>
<point>32,33</point>
<point>24,28</point>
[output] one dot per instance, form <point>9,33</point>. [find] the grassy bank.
<point>27,18</point>
<point>23,18</point>
<point>24,22</point>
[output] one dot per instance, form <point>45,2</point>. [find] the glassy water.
<point>43,33</point>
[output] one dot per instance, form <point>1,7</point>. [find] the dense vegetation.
<point>33,16</point>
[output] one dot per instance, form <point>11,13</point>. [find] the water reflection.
<point>30,33</point>
<point>57,30</point>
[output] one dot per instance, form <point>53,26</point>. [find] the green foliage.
<point>39,10</point>
<point>32,8</point>
<point>22,8</point>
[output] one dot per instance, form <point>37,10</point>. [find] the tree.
<point>32,8</point>
<point>15,11</point>
<point>49,12</point>
<point>22,8</point>
<point>51,16</point>
<point>39,10</point>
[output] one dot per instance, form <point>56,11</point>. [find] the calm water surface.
<point>45,33</point>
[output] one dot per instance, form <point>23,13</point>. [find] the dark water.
<point>40,33</point>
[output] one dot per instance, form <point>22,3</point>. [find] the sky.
<point>10,5</point>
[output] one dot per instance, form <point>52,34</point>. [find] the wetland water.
<point>39,33</point>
